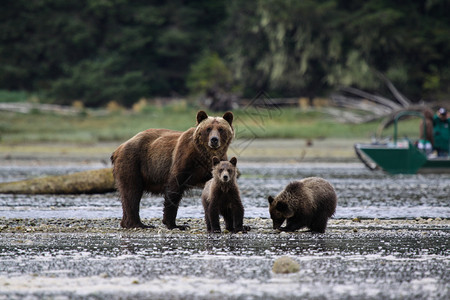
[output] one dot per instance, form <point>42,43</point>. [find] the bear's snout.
<point>225,176</point>
<point>214,142</point>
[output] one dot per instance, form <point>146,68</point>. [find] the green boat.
<point>401,157</point>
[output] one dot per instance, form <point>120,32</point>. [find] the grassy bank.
<point>88,127</point>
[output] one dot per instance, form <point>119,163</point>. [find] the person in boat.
<point>426,141</point>
<point>441,132</point>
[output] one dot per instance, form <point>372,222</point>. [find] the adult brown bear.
<point>163,161</point>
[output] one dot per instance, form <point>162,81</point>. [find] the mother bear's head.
<point>214,133</point>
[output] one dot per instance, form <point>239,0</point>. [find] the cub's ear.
<point>228,116</point>
<point>270,199</point>
<point>201,115</point>
<point>233,161</point>
<point>293,187</point>
<point>216,161</point>
<point>282,207</point>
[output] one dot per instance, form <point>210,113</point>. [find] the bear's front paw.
<point>182,227</point>
<point>134,224</point>
<point>244,229</point>
<point>171,226</point>
<point>148,226</point>
<point>286,229</point>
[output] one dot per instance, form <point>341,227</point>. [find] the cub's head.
<point>214,133</point>
<point>279,207</point>
<point>224,171</point>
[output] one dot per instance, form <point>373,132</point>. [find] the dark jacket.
<point>441,132</point>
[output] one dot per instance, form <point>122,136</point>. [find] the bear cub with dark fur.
<point>221,197</point>
<point>168,162</point>
<point>304,203</point>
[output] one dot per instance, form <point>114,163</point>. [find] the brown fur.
<point>162,161</point>
<point>304,203</point>
<point>221,197</point>
<point>428,135</point>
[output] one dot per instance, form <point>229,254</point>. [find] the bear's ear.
<point>270,199</point>
<point>216,161</point>
<point>293,187</point>
<point>233,161</point>
<point>282,207</point>
<point>228,116</point>
<point>201,115</point>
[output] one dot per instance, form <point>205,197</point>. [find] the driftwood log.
<point>376,106</point>
<point>86,182</point>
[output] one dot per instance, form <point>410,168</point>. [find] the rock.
<point>285,265</point>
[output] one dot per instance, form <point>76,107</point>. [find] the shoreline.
<point>197,226</point>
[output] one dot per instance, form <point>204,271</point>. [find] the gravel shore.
<point>197,225</point>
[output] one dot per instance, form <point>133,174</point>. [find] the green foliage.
<point>97,51</point>
<point>102,50</point>
<point>310,47</point>
<point>208,72</point>
<point>13,96</point>
<point>87,76</point>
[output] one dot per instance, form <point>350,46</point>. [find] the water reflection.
<point>361,193</point>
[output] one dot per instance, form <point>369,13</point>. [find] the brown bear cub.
<point>221,197</point>
<point>304,203</point>
<point>167,162</point>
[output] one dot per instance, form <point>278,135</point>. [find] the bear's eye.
<point>229,170</point>
<point>220,170</point>
<point>208,129</point>
<point>220,130</point>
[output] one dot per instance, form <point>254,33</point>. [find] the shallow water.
<point>356,261</point>
<point>336,265</point>
<point>361,193</point>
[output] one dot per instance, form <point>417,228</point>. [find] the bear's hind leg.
<point>319,223</point>
<point>131,199</point>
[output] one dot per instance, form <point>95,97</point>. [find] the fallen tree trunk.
<point>405,102</point>
<point>87,182</point>
<point>377,99</point>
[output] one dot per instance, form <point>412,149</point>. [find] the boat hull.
<point>403,159</point>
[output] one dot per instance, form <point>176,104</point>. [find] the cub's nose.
<point>214,141</point>
<point>225,178</point>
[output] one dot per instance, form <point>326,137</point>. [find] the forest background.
<point>96,51</point>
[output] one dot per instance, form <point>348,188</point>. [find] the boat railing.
<point>407,113</point>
